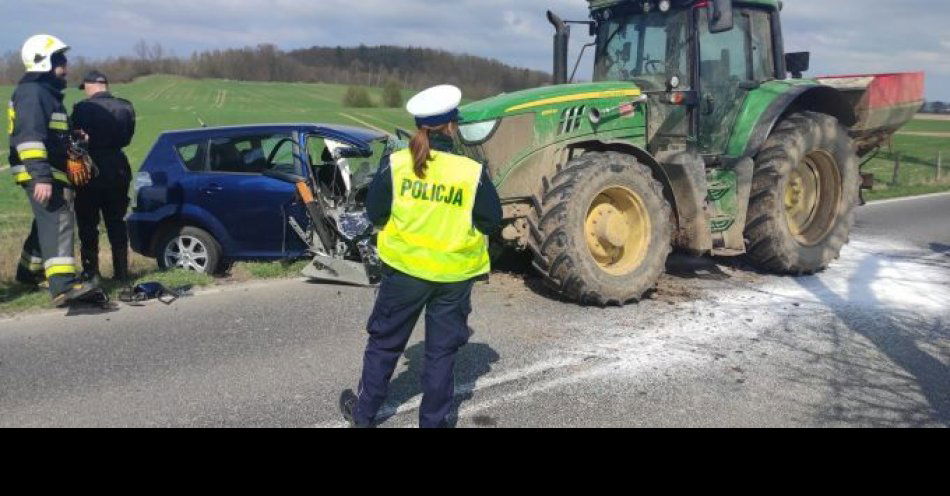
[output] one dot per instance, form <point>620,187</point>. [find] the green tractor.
<point>692,136</point>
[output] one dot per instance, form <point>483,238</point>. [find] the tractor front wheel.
<point>604,233</point>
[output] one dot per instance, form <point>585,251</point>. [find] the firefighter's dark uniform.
<point>38,128</point>
<point>434,247</point>
<point>110,124</point>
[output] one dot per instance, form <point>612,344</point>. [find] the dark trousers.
<point>400,301</point>
<point>108,203</point>
<point>48,251</point>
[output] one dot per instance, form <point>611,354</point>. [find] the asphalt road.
<point>864,344</point>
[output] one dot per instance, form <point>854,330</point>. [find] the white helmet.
<point>38,52</point>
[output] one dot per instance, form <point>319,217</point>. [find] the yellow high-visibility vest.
<point>430,234</point>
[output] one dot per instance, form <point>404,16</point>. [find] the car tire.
<point>189,248</point>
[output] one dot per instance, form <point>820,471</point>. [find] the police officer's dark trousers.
<point>399,304</point>
<point>50,240</point>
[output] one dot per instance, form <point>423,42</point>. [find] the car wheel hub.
<point>187,252</point>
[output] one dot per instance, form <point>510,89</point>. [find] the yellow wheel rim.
<point>618,230</point>
<point>812,198</point>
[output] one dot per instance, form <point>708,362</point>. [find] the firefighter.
<point>436,210</point>
<point>109,123</point>
<point>39,130</point>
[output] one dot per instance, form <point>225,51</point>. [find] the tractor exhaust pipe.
<point>562,38</point>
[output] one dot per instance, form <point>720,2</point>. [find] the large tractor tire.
<point>604,232</point>
<point>804,192</point>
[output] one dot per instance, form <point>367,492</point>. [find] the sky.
<point>844,36</point>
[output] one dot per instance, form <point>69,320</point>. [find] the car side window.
<point>252,154</point>
<point>194,155</point>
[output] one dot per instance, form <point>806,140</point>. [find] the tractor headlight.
<point>478,132</point>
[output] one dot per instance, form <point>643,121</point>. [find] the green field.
<point>167,103</point>
<point>928,126</point>
<point>918,167</point>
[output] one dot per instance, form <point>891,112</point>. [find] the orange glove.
<point>78,171</point>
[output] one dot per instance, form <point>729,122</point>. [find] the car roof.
<point>350,134</point>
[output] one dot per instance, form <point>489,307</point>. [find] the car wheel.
<point>189,248</point>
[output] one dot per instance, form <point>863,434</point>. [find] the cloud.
<point>844,36</point>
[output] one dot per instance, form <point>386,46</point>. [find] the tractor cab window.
<point>725,61</point>
<point>647,49</point>
<point>763,56</point>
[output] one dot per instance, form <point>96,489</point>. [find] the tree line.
<point>363,65</point>
<point>936,108</point>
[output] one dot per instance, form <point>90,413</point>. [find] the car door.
<point>251,207</point>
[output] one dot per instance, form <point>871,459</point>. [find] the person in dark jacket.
<point>39,129</point>
<point>109,123</point>
<point>436,209</point>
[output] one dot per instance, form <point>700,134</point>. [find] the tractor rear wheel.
<point>804,192</point>
<point>604,232</point>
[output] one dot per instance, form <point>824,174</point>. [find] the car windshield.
<point>647,49</point>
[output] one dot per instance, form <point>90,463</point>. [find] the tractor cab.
<point>695,60</point>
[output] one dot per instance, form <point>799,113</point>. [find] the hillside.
<point>413,68</point>
<point>417,68</point>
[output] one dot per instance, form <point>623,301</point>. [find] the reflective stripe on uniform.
<point>60,266</point>
<point>21,175</point>
<point>59,261</point>
<point>33,264</point>
<point>31,150</point>
<point>33,155</point>
<point>60,270</point>
<point>30,146</point>
<point>59,122</point>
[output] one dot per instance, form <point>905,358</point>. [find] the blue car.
<point>206,198</point>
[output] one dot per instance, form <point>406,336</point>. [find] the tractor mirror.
<point>797,63</point>
<point>721,19</point>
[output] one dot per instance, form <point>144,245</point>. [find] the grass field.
<point>922,125</point>
<point>166,103</point>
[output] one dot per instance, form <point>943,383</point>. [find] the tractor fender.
<point>815,98</point>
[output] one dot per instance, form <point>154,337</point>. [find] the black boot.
<point>348,400</point>
<point>27,278</point>
<point>90,263</point>
<point>78,292</point>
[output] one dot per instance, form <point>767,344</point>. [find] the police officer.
<point>109,123</point>
<point>435,209</point>
<point>39,128</point>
